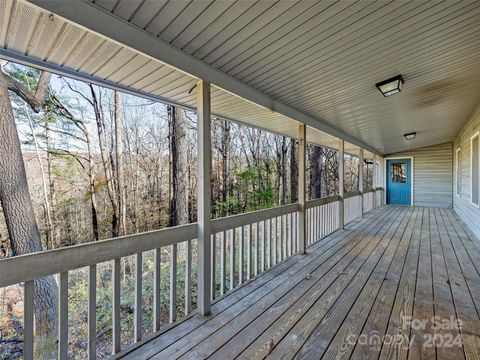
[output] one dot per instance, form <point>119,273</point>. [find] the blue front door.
<point>399,187</point>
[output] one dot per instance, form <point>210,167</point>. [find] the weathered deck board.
<point>396,262</point>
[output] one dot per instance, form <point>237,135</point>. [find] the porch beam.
<point>302,236</point>
<point>97,19</point>
<point>341,186</point>
<point>204,196</point>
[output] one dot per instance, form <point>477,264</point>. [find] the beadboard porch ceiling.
<point>285,61</point>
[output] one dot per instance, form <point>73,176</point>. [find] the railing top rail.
<point>322,201</point>
<point>234,221</point>
<point>366,191</point>
<point>379,188</point>
<point>21,268</point>
<point>27,267</point>
<point>351,194</point>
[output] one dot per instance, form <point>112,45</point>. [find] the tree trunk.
<point>225,154</point>
<point>120,167</point>
<point>316,166</point>
<point>294,170</point>
<point>102,141</point>
<point>51,183</point>
<point>284,170</point>
<point>18,209</point>
<point>46,203</point>
<point>178,167</point>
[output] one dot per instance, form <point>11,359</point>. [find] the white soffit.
<point>97,46</point>
<point>324,57</point>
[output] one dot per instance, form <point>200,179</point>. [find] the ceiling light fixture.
<point>410,136</point>
<point>391,86</point>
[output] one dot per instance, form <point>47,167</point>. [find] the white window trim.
<point>477,134</point>
<point>458,171</point>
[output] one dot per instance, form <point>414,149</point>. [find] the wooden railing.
<point>28,268</point>
<point>322,218</point>
<point>353,206</point>
<point>379,196</point>
<point>247,244</point>
<point>243,246</point>
<point>368,199</point>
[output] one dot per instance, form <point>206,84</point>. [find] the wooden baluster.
<point>278,238</point>
<point>213,265</point>
<point>269,239</point>
<point>63,316</point>
<point>240,255</point>
<point>284,236</point>
<point>256,253</point>
<point>312,239</point>
<point>188,278</point>
<point>294,232</point>
<point>274,240</point>
<point>116,306</point>
<point>264,245</point>
<point>324,220</point>
<point>138,297</point>
<point>173,283</point>
<point>156,290</point>
<point>92,312</point>
<point>307,226</point>
<point>290,229</point>
<point>232,259</point>
<point>249,252</point>
<point>327,216</point>
<point>223,258</point>
<point>28,320</point>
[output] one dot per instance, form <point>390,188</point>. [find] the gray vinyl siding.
<point>462,205</point>
<point>432,175</point>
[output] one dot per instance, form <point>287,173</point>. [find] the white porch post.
<point>341,180</point>
<point>302,236</point>
<point>204,196</point>
<point>360,176</point>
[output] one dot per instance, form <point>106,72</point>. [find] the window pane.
<point>475,170</point>
<point>459,179</point>
<point>399,173</point>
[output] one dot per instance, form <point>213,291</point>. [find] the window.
<point>378,174</point>
<point>458,172</point>
<point>399,173</point>
<point>475,169</point>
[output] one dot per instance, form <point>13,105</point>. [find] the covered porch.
<point>353,275</point>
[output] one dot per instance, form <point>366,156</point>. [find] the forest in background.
<point>102,164</point>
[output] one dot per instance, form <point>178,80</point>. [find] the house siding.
<point>432,175</point>
<point>462,205</point>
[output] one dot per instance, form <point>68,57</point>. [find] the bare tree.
<point>294,170</point>
<point>178,166</point>
<point>15,197</point>
<point>120,178</point>
<point>96,103</point>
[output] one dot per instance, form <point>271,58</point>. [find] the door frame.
<point>411,175</point>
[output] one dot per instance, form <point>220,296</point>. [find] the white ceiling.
<point>322,58</point>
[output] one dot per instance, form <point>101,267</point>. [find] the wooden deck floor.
<point>368,292</point>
